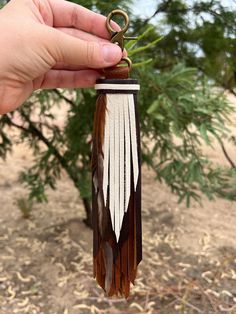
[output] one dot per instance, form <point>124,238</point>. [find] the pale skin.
<point>50,44</point>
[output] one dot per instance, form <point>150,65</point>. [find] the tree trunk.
<point>88,210</point>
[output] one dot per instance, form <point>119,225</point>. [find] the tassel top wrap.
<point>116,86</point>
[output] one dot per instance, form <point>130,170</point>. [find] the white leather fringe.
<point>120,156</point>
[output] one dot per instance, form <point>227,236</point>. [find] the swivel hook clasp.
<point>118,37</point>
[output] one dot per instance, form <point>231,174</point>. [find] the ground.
<point>189,254</point>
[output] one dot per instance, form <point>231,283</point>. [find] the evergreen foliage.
<point>183,74</point>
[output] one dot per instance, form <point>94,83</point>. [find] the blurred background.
<point>185,60</point>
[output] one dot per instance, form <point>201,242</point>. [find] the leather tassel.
<point>116,186</point>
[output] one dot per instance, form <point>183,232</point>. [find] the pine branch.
<point>160,9</point>
<point>165,8</point>
<point>69,101</point>
<point>222,84</point>
<point>36,132</point>
<point>227,156</point>
<point>33,130</point>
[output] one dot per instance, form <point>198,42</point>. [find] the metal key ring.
<point>111,15</point>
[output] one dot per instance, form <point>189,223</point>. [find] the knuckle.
<point>59,79</point>
<point>93,55</point>
<point>90,52</point>
<point>74,16</point>
<point>75,78</point>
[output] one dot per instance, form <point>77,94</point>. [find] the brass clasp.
<point>118,37</point>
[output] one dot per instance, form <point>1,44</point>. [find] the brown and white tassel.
<point>116,180</point>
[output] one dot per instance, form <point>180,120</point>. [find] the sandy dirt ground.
<point>189,254</point>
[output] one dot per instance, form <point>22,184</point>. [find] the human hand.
<point>50,44</point>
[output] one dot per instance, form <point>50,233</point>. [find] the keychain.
<point>116,175</point>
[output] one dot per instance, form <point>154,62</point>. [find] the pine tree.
<point>184,75</point>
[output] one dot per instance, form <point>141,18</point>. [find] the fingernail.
<point>111,53</point>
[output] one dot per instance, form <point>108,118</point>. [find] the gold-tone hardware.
<point>118,37</point>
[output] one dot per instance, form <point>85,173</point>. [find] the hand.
<point>50,44</point>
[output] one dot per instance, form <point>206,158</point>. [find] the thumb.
<point>72,50</point>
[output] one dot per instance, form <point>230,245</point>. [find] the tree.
<point>180,106</point>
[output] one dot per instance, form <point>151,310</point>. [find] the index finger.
<point>68,14</point>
